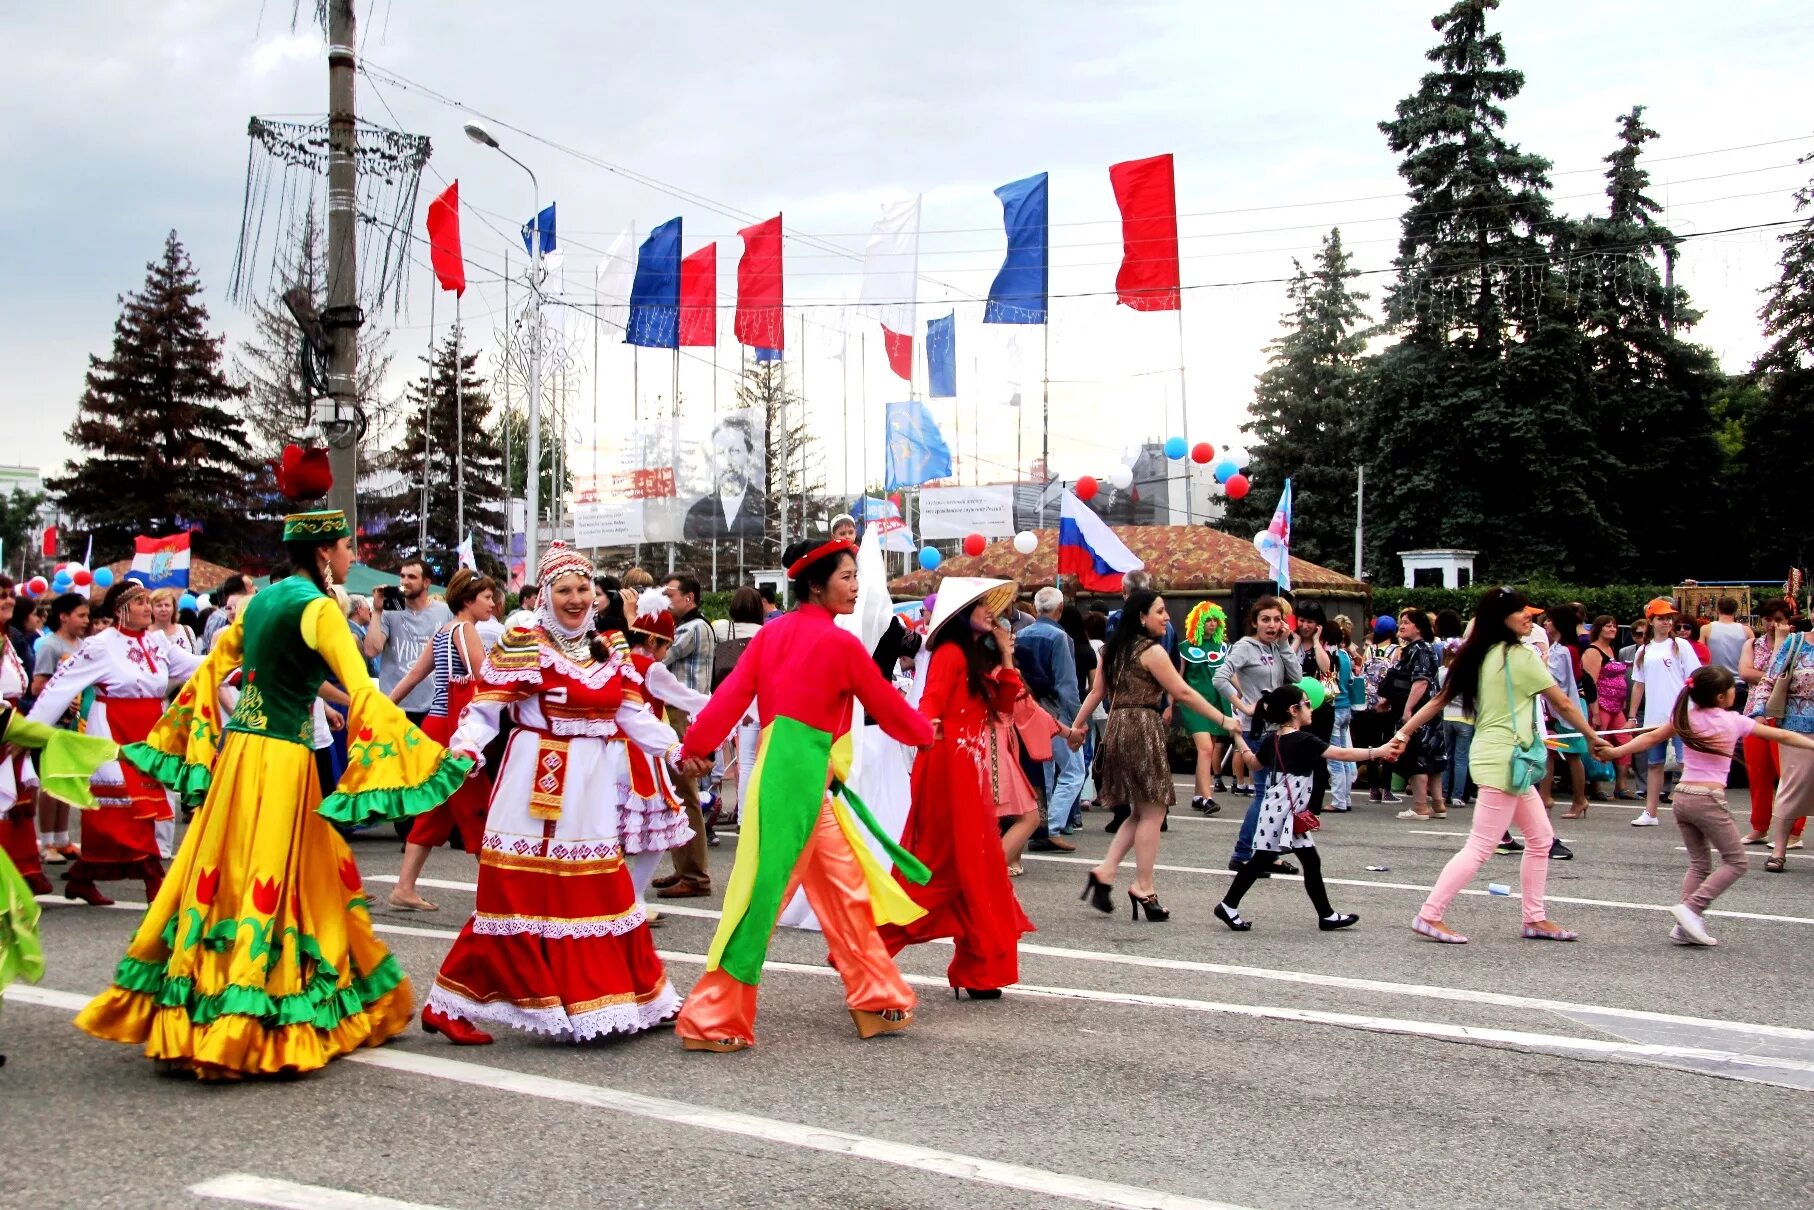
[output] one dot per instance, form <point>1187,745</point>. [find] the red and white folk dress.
<point>131,672</point>
<point>18,777</point>
<point>558,943</point>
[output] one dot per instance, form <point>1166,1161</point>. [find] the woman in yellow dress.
<point>258,956</point>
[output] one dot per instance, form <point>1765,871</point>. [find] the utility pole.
<point>341,425</point>
<point>1360,512</point>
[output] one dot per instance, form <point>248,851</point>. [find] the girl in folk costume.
<point>800,822</point>
<point>970,684</point>
<point>558,943</point>
<point>18,776</point>
<point>258,956</point>
<point>653,820</point>
<point>450,657</point>
<point>130,669</point>
<point>70,761</point>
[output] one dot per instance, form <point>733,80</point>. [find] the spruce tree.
<point>791,464</point>
<point>1304,421</point>
<point>1475,416</point>
<point>431,405</point>
<point>164,448</point>
<point>1784,412</point>
<point>1651,389</point>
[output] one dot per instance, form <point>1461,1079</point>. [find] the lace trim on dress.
<point>628,1018</point>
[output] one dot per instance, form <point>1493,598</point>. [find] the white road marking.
<point>1424,890</point>
<point>789,1134</point>
<point>1304,978</point>
<point>264,1191</point>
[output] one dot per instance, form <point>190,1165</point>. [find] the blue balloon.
<point>1175,448</point>
<point>1224,470</point>
<point>62,582</point>
<point>187,601</point>
<point>103,577</point>
<point>930,558</point>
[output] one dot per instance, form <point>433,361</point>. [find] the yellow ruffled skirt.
<point>258,955</point>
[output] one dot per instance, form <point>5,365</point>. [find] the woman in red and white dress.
<point>558,943</point>
<point>131,669</point>
<point>18,777</point>
<point>653,820</point>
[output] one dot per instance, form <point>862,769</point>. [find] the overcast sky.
<point>128,119</point>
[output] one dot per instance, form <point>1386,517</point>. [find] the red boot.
<point>453,1029</point>
<point>87,892</point>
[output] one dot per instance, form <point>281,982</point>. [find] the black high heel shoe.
<point>976,993</point>
<point>1099,894</point>
<point>1150,905</point>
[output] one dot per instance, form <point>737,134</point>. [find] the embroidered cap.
<point>653,617</point>
<point>560,560</point>
<point>824,551</point>
<point>324,525</point>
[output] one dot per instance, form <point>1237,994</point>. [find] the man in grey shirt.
<point>1726,641</point>
<point>397,636</point>
<point>1261,662</point>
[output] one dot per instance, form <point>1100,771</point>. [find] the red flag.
<point>1144,189</point>
<point>900,352</point>
<point>444,240</point>
<point>699,297</point>
<point>759,287</point>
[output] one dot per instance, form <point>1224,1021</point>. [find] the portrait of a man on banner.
<point>734,504</point>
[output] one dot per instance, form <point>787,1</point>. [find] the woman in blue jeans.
<point>1457,736</point>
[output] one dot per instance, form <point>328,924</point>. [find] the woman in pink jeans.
<point>1499,679</point>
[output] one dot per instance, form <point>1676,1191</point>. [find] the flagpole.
<point>1184,412</point>
<point>428,412</point>
<point>674,424</point>
<point>459,434</point>
<point>863,406</point>
<point>976,422</point>
<point>597,322</point>
<point>804,414</point>
<point>1045,419</point>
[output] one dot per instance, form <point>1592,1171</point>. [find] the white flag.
<point>616,273</point>
<point>465,554</point>
<point>891,266</point>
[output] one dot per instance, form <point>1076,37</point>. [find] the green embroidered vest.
<point>279,672</point>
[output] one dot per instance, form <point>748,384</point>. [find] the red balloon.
<point>83,578</point>
<point>975,544</point>
<point>37,586</point>
<point>58,569</point>
<point>1086,489</point>
<point>1237,486</point>
<point>1203,453</point>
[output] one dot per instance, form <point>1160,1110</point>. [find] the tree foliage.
<point>435,412</point>
<point>1783,412</point>
<point>164,447</point>
<point>1304,423</point>
<point>791,465</point>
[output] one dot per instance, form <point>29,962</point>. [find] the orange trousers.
<point>721,1007</point>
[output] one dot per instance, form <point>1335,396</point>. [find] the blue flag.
<point>941,355</point>
<point>763,355</point>
<point>917,452</point>
<point>1019,293</point>
<point>655,292</point>
<point>544,222</point>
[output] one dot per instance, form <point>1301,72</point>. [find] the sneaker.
<point>1559,851</point>
<point>1679,937</point>
<point>1644,820</point>
<point>1509,845</point>
<point>1690,922</point>
<point>1389,797</point>
<point>1410,813</point>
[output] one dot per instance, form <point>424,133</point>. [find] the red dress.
<point>952,828</point>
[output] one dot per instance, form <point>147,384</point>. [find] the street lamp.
<point>533,456</point>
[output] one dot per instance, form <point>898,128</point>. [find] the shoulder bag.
<point>1778,705</point>
<point>1303,819</point>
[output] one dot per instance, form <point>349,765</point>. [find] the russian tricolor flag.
<point>1089,549</point>
<point>161,562</point>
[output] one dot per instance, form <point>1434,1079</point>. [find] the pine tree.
<point>1773,426</point>
<point>1475,416</point>
<point>277,402</point>
<point>1652,390</point>
<point>1305,418</point>
<point>431,403</point>
<point>165,450</point>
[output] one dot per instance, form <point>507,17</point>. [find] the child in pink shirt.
<point>1711,730</point>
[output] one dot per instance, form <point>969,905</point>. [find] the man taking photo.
<point>404,621</point>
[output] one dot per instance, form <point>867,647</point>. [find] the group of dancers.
<point>258,955</point>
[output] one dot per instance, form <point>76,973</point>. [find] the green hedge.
<point>1623,601</point>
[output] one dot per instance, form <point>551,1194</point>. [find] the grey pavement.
<point>1173,1064</point>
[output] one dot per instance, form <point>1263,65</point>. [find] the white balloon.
<point>1121,477</point>
<point>1026,542</point>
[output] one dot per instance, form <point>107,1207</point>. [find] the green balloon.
<point>1314,690</point>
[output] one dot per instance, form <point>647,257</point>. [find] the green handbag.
<point>1530,761</point>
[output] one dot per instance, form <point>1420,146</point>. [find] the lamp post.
<point>533,455</point>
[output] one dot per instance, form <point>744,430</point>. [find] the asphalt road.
<point>1137,1065</point>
